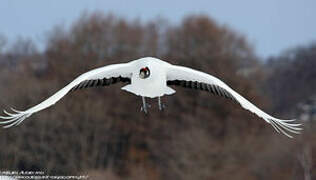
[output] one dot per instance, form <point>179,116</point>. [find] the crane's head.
<point>144,73</point>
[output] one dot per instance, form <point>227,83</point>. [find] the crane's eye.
<point>144,73</point>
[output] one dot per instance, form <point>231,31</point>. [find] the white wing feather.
<point>183,73</point>
<point>115,70</point>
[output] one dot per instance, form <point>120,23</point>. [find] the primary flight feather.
<point>150,77</point>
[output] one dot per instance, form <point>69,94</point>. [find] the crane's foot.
<point>161,105</point>
<point>145,106</point>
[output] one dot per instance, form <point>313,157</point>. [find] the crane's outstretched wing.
<point>190,78</point>
<point>103,76</point>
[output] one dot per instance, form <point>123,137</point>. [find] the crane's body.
<point>153,86</point>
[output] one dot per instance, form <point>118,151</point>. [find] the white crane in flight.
<point>151,77</point>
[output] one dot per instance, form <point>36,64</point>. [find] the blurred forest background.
<point>100,131</point>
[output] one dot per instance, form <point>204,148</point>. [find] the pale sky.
<point>270,25</point>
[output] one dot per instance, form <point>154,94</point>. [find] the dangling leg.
<point>161,106</point>
<point>145,105</point>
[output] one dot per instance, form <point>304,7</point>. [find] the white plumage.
<point>150,77</point>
